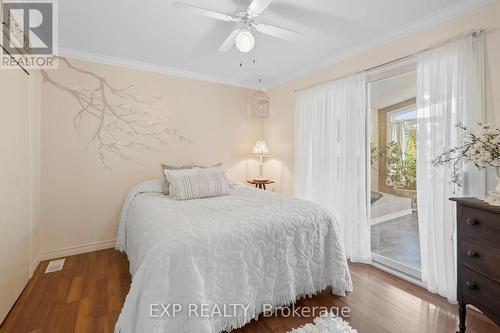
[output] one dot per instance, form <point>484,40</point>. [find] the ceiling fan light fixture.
<point>245,41</point>
<point>243,23</point>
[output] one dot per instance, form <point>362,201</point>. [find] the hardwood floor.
<point>87,295</point>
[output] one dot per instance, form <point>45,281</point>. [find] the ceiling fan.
<point>244,24</point>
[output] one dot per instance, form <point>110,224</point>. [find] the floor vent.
<point>55,265</point>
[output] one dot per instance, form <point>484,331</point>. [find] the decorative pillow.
<point>210,169</point>
<point>219,167</point>
<point>198,186</point>
<point>165,167</point>
<point>213,169</point>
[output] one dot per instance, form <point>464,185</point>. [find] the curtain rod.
<point>475,33</point>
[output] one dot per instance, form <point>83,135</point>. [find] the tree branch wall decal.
<point>134,123</point>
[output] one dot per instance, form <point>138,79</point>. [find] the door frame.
<point>404,66</point>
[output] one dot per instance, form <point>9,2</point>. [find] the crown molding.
<point>143,66</point>
<point>460,8</point>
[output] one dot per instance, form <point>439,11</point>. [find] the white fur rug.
<point>328,323</point>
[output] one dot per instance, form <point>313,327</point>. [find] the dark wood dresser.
<point>478,258</point>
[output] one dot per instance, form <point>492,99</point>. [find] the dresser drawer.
<point>481,225</point>
<point>480,291</point>
<point>481,258</point>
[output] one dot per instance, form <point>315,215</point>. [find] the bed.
<point>245,253</point>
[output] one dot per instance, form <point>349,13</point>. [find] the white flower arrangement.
<point>482,149</point>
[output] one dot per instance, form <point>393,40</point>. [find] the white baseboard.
<point>390,216</point>
<point>71,251</point>
<point>34,265</point>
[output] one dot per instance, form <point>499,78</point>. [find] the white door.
<point>14,190</point>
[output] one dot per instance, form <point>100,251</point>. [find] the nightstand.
<point>260,183</point>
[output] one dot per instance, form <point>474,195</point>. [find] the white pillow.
<point>181,172</point>
<point>198,186</point>
<point>177,172</point>
<point>213,169</point>
<point>172,167</point>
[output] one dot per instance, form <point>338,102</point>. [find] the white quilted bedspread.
<point>251,247</point>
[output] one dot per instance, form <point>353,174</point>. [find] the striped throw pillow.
<point>198,186</point>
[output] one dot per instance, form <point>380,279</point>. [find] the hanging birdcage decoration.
<point>259,104</point>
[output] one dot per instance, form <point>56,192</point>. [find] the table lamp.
<point>261,150</point>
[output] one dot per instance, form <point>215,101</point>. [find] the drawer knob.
<point>470,285</point>
<point>471,221</point>
<point>471,254</point>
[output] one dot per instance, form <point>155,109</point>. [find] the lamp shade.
<point>260,148</point>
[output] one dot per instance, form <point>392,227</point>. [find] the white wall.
<point>80,199</point>
<point>34,123</point>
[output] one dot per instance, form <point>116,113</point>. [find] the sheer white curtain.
<point>331,157</point>
<point>449,90</point>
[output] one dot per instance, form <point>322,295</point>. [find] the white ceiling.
<point>392,90</point>
<point>152,35</point>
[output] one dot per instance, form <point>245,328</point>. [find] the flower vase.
<point>494,197</point>
<point>498,181</point>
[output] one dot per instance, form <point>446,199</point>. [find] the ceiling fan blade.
<point>278,32</point>
<point>203,12</point>
<point>229,42</point>
<point>258,6</point>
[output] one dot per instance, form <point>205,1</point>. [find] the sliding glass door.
<point>393,196</point>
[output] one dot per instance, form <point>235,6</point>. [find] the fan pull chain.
<point>253,62</point>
